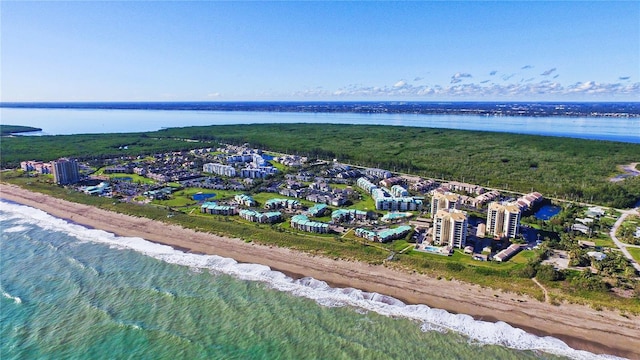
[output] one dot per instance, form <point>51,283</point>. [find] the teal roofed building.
<point>290,204</point>
<point>384,235</point>
<point>263,218</point>
<point>346,215</point>
<point>211,207</point>
<point>243,199</point>
<point>99,189</point>
<point>395,216</point>
<point>301,222</point>
<point>159,194</point>
<point>317,210</point>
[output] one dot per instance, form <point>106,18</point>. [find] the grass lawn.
<point>603,241</point>
<point>280,167</point>
<point>635,252</point>
<point>366,204</point>
<point>325,219</point>
<point>460,257</point>
<point>522,257</point>
<point>262,197</point>
<point>135,178</point>
<point>178,201</point>
<point>626,231</point>
<point>184,197</point>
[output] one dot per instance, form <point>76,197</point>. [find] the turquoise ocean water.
<point>69,292</point>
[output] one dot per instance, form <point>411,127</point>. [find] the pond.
<point>547,212</point>
<point>202,196</point>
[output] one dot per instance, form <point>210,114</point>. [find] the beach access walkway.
<point>544,290</point>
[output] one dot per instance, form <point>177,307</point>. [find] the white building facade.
<point>503,220</point>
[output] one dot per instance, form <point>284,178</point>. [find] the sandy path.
<point>581,327</point>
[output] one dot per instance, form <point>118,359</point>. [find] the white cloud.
<point>530,89</point>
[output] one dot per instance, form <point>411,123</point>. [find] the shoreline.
<point>579,326</point>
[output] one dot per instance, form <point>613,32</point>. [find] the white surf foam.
<point>15,229</point>
<point>15,299</point>
<point>481,332</point>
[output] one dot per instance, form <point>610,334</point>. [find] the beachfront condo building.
<point>302,222</point>
<point>383,235</point>
<point>65,172</point>
<point>503,220</point>
<point>263,218</point>
<point>450,228</point>
<point>441,201</point>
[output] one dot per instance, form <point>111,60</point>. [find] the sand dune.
<point>579,326</point>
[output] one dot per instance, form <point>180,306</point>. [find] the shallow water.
<point>73,292</point>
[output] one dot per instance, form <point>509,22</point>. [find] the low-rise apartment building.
<point>263,218</point>
<point>302,222</point>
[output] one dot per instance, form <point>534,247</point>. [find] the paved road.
<point>622,246</point>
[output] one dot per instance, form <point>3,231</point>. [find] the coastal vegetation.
<point>572,169</point>
<point>513,276</point>
<point>16,129</point>
<point>628,230</point>
<point>87,147</point>
<point>561,168</point>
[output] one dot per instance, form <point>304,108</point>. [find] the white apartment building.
<point>450,228</point>
<point>219,169</point>
<point>65,171</point>
<point>440,201</point>
<point>503,220</point>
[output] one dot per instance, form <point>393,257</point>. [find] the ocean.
<point>106,119</point>
<point>69,292</point>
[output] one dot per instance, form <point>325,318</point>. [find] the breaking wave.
<point>15,299</point>
<point>478,331</point>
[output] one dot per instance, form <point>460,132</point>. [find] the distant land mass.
<point>532,109</point>
<point>16,129</point>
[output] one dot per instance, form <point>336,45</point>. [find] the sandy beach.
<point>579,326</point>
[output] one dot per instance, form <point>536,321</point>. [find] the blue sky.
<point>225,51</point>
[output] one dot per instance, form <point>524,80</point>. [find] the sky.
<point>319,51</point>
